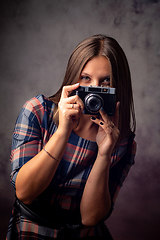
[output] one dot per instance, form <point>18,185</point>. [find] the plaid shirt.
<point>33,129</point>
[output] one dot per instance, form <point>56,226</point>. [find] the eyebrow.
<point>105,76</point>
<point>85,74</point>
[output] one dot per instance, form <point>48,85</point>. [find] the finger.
<point>104,116</point>
<point>97,121</point>
<point>76,100</point>
<point>106,127</point>
<point>116,115</point>
<point>75,107</point>
<point>100,122</point>
<point>72,114</point>
<point>67,89</point>
<point>65,106</point>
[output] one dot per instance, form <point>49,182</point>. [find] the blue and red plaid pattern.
<point>33,129</point>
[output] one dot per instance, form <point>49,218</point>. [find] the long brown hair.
<point>121,79</point>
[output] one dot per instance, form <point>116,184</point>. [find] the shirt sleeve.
<point>119,172</point>
<point>27,136</point>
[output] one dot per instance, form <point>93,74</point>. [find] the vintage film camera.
<point>96,97</point>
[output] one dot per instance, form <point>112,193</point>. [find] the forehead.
<point>98,64</point>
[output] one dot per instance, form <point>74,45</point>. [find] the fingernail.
<point>93,118</point>
<point>77,84</point>
<point>102,109</point>
<point>101,123</point>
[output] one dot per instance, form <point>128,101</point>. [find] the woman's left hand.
<point>108,132</point>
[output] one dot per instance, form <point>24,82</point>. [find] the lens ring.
<point>93,102</point>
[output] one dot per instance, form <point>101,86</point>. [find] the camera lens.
<point>93,102</point>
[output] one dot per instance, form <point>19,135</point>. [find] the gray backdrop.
<point>36,40</point>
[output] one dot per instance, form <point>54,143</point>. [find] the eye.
<point>85,78</point>
<point>106,81</point>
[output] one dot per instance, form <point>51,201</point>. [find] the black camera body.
<point>95,98</point>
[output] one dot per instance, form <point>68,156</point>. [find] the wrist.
<point>104,157</point>
<point>63,131</point>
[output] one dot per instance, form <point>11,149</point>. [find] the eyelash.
<point>86,78</point>
<point>105,81</point>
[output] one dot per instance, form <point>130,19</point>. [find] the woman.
<point>67,167</point>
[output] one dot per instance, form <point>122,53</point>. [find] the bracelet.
<point>50,155</point>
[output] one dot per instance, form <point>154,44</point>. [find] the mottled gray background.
<point>36,40</point>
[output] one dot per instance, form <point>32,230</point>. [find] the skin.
<point>35,176</point>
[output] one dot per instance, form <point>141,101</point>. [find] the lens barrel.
<point>93,102</point>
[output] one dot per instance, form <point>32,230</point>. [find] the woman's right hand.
<point>70,108</point>
<point>35,175</point>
